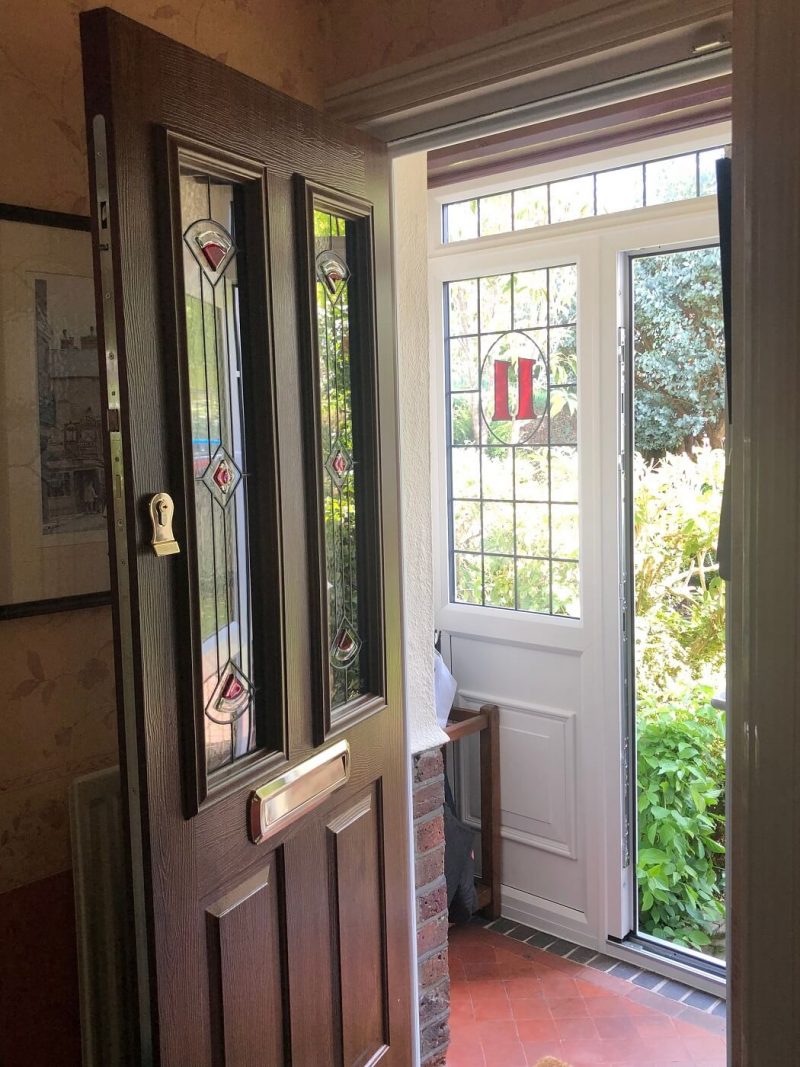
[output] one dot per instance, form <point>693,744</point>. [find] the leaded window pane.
<point>513,440</point>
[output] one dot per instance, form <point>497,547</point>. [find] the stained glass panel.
<point>340,462</point>
<point>513,440</point>
<point>213,375</point>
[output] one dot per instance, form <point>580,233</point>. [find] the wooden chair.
<point>486,723</point>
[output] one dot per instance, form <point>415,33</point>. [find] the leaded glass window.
<point>343,456</point>
<point>512,418</point>
<point>218,494</point>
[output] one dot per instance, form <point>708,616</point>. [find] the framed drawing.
<point>52,476</point>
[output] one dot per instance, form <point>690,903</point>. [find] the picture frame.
<point>53,523</point>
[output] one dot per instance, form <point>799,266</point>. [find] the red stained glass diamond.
<point>339,464</point>
<point>221,477</point>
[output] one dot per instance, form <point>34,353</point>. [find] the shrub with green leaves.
<point>681,801</point>
<point>680,658</point>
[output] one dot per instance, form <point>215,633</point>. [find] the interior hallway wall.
<point>59,717</point>
<point>279,42</point>
<point>371,36</point>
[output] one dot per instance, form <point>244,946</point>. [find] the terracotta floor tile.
<point>512,1005</point>
<point>618,1028</point>
<point>466,1056</point>
<point>503,1053</point>
<point>534,1030</point>
<point>493,1009</point>
<point>475,971</point>
<point>503,1030</point>
<point>577,1029</point>
<point>524,988</point>
<point>599,1007</point>
<point>567,1007</point>
<point>530,1008</point>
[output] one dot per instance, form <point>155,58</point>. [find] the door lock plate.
<point>163,540</point>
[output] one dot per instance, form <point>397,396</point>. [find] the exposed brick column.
<point>431,891</point>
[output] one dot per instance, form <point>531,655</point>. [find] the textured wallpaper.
<point>58,722</point>
<point>280,42</point>
<point>58,716</point>
<point>371,35</point>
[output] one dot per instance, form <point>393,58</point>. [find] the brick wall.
<point>431,909</point>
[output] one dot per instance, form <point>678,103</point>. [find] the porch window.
<point>512,435</point>
<point>655,181</point>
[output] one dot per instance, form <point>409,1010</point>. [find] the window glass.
<point>513,440</point>
<point>660,181</point>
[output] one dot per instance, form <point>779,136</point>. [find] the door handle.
<point>162,508</point>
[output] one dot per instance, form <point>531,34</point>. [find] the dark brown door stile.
<point>243,281</point>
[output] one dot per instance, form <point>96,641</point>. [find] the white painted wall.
<point>410,225</point>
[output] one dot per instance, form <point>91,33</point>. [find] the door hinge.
<point>626,803</point>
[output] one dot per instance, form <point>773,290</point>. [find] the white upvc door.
<point>557,680</point>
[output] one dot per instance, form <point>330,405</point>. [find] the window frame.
<point>583,242</point>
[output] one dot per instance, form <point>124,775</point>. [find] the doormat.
<point>551,1061</point>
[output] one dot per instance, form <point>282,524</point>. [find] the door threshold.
<point>675,980</point>
<point>707,976</point>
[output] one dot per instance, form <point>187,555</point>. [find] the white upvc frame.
<point>600,246</point>
<point>674,144</point>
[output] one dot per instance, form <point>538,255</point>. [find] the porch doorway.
<point>675,630</point>
<point>531,293</point>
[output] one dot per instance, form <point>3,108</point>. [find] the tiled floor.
<point>512,1004</point>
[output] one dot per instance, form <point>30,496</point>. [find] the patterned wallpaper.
<point>58,716</point>
<point>58,722</point>
<point>372,34</point>
<point>280,42</point>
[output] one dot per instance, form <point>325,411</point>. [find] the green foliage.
<point>681,800</point>
<point>679,596</point>
<point>679,375</point>
<point>680,656</point>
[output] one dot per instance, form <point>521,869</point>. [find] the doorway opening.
<point>675,634</point>
<point>551,571</point>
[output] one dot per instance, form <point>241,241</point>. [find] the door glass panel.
<point>213,375</point>
<point>339,481</point>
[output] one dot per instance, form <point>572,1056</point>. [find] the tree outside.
<point>679,463</point>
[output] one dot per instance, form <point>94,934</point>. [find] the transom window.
<point>656,181</point>
<point>512,411</point>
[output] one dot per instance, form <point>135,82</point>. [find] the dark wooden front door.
<point>243,288</point>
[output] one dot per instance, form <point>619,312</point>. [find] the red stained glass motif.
<point>339,464</point>
<point>231,697</point>
<point>221,477</point>
<point>333,272</point>
<point>346,645</point>
<point>212,247</point>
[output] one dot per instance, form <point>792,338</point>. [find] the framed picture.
<point>52,475</point>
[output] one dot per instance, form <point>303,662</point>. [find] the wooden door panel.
<point>247,953</point>
<point>355,850</point>
<point>247,971</point>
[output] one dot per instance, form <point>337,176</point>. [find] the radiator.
<point>105,942</point>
